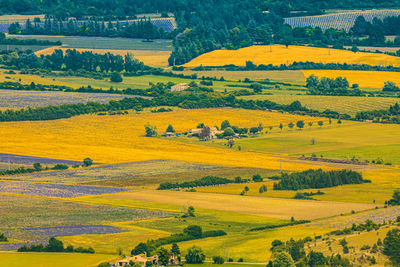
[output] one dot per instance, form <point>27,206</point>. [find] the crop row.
<point>340,20</point>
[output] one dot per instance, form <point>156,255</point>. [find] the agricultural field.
<point>365,79</point>
<point>151,58</point>
<point>138,174</point>
<point>103,42</point>
<point>292,76</point>
<point>300,209</point>
<point>340,20</point>
<point>61,212</point>
<point>342,104</point>
<point>61,259</point>
<point>54,190</point>
<point>120,138</point>
<point>282,55</point>
<point>12,99</point>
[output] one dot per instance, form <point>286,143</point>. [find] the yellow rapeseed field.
<point>365,79</point>
<point>120,138</point>
<point>152,58</point>
<point>279,54</point>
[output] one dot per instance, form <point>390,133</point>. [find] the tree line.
<point>74,60</point>
<point>191,232</point>
<point>250,66</point>
<point>142,28</point>
<point>54,245</point>
<point>205,181</point>
<point>15,41</point>
<point>327,86</point>
<point>317,179</point>
<point>390,115</point>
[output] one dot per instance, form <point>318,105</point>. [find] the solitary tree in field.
<point>300,124</point>
<point>116,77</point>
<point>150,130</point>
<point>281,126</point>
<point>291,125</point>
<point>310,124</point>
<point>87,162</point>
<point>320,123</point>
<point>170,129</point>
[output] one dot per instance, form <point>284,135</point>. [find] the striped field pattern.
<point>340,20</point>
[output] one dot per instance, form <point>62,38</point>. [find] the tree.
<point>163,256</point>
<point>175,249</point>
<point>200,125</point>
<point>300,124</point>
<point>283,259</point>
<point>195,256</point>
<point>218,260</point>
<point>37,166</point>
<point>54,245</point>
<point>390,87</point>
<point>193,230</point>
<point>225,124</point>
<point>316,259</point>
<point>140,249</point>
<point>257,178</point>
<point>116,77</point>
<point>87,162</point>
<point>312,81</point>
<point>320,123</point>
<point>281,126</point>
<point>150,130</point>
<point>170,129</point>
<point>291,125</point>
<point>229,132</point>
<point>395,198</point>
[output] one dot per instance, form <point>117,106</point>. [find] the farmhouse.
<point>212,133</point>
<point>179,87</point>
<point>141,259</point>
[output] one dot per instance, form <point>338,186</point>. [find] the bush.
<point>116,77</point>
<point>218,260</point>
<point>195,256</point>
<point>257,178</point>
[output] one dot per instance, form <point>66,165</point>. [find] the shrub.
<point>218,260</point>
<point>195,256</point>
<point>257,178</point>
<point>116,77</point>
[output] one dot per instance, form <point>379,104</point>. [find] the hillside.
<point>279,54</point>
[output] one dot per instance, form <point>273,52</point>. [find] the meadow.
<point>282,55</point>
<point>365,79</point>
<point>342,104</point>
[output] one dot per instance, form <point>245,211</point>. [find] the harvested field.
<point>268,207</point>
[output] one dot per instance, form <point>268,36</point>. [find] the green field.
<point>34,48</point>
<point>103,42</point>
<point>342,104</point>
